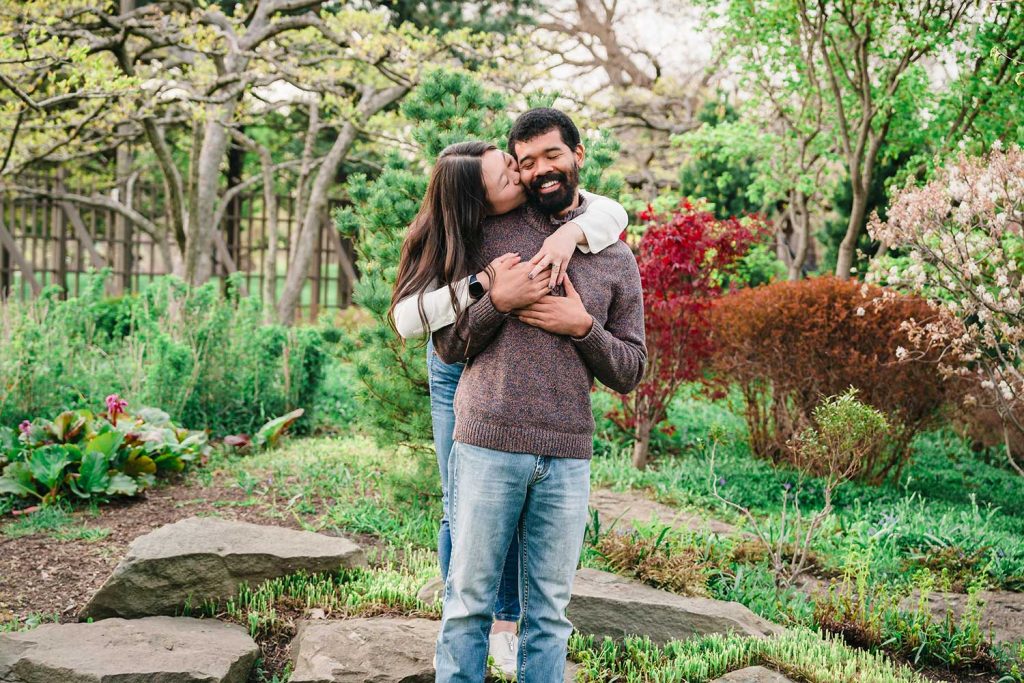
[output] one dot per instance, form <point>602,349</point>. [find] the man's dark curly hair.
<point>538,122</point>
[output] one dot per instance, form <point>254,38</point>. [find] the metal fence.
<point>44,242</point>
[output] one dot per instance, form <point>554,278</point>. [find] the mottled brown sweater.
<point>525,390</point>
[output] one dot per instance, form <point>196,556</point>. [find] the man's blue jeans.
<point>491,495</point>
<point>444,379</point>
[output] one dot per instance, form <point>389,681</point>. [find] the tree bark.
<point>199,239</point>
<point>299,264</point>
<point>642,444</point>
<point>848,247</point>
<point>801,222</point>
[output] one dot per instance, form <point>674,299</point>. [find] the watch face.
<point>476,289</point>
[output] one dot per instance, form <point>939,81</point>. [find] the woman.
<point>440,275</point>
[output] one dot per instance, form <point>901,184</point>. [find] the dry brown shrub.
<point>788,345</point>
<point>679,570</point>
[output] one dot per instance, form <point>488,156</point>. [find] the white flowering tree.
<point>963,239</point>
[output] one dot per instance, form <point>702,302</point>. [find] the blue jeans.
<point>444,379</point>
<point>492,494</point>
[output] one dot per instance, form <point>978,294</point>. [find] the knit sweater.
<point>525,390</point>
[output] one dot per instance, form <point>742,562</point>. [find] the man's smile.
<point>548,183</point>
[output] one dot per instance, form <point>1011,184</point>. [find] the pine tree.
<point>447,107</point>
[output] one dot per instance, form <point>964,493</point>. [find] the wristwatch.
<point>476,288</point>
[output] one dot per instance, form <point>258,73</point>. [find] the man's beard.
<point>562,199</point>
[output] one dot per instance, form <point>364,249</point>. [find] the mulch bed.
<point>41,574</point>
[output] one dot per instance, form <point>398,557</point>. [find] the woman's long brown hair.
<point>443,243</point>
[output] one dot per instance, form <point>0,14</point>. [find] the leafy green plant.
<point>847,433</point>
<point>268,435</point>
<point>95,456</point>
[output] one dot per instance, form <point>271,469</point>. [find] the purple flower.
<point>721,481</point>
<point>115,406</point>
<point>787,486</point>
<point>25,427</point>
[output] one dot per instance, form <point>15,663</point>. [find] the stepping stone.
<point>165,649</point>
<point>1002,612</point>
<point>374,650</point>
<point>630,508</point>
<point>605,604</point>
<point>205,558</point>
<point>753,674</point>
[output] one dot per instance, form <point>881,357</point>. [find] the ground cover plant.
<point>85,455</point>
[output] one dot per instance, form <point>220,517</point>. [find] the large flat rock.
<point>605,604</point>
<point>204,558</point>
<point>164,649</point>
<point>374,650</point>
<point>626,509</point>
<point>753,674</point>
<point>1002,612</point>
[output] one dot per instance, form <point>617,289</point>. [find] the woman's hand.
<point>485,279</point>
<point>558,248</point>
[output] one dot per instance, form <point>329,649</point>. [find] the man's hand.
<point>512,287</point>
<point>556,251</point>
<point>559,314</point>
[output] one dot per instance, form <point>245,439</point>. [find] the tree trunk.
<point>848,247</point>
<point>199,245</point>
<point>642,443</point>
<point>801,222</point>
<point>270,257</point>
<point>298,267</point>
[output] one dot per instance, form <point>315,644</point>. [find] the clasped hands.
<point>516,288</point>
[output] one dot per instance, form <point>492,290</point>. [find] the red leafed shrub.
<point>789,345</point>
<point>683,258</point>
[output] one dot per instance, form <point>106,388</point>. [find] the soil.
<point>44,575</point>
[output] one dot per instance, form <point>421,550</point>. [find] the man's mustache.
<point>548,177</point>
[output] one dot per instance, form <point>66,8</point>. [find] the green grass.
<point>388,586</point>
<point>30,622</point>
<point>55,521</point>
<point>801,653</point>
<point>950,510</point>
<point>346,484</point>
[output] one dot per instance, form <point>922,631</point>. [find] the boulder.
<point>432,592</point>
<point>753,674</point>
<point>205,558</point>
<point>1002,612</point>
<point>625,509</point>
<point>606,604</point>
<point>373,650</point>
<point>165,649</point>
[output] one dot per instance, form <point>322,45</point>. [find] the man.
<point>524,427</point>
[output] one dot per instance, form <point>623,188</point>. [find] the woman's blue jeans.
<point>444,380</point>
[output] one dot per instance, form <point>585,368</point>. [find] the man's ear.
<point>581,154</point>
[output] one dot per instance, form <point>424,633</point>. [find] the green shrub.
<point>203,356</point>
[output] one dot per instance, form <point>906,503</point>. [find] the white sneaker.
<point>504,650</point>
